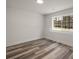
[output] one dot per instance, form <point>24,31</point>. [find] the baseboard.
<point>18,42</point>
<point>69,44</point>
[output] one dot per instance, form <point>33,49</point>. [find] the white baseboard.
<point>18,42</point>
<point>69,43</point>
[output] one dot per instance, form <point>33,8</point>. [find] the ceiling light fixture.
<point>40,1</point>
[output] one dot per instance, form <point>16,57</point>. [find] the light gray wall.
<point>23,26</point>
<point>63,37</point>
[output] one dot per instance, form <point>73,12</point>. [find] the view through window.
<point>62,23</point>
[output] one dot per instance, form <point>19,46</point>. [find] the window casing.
<point>63,23</point>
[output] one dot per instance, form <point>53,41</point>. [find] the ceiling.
<point>49,6</point>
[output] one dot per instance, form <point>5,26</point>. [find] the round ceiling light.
<point>40,1</point>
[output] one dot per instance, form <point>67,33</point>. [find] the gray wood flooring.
<point>39,49</point>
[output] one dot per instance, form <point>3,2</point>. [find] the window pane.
<point>66,22</point>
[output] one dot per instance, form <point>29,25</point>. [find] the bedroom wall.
<point>63,37</point>
<point>22,26</point>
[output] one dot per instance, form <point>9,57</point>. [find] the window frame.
<point>60,28</point>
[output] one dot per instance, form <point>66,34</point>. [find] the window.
<point>62,23</point>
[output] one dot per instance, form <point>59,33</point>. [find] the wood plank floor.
<point>39,49</point>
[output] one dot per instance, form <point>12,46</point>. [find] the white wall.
<point>63,37</point>
<point>23,26</point>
